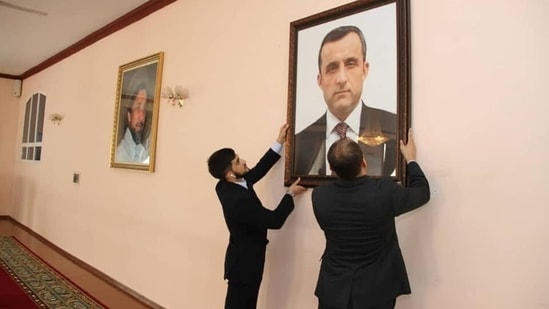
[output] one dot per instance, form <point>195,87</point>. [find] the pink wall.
<point>479,115</point>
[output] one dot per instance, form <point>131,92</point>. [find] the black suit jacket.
<point>362,258</point>
<point>248,221</point>
<point>312,141</point>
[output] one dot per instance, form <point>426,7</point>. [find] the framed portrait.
<point>349,77</point>
<point>136,113</point>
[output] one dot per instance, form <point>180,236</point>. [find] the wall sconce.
<point>56,118</point>
<point>175,96</point>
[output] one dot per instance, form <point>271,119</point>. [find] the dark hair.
<point>337,34</point>
<point>345,158</point>
<point>220,162</point>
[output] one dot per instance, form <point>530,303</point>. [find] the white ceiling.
<point>27,39</point>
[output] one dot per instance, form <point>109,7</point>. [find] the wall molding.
<point>9,76</point>
<point>129,18</point>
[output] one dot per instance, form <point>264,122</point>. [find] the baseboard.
<point>142,299</point>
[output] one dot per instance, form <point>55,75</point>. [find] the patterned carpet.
<point>44,285</point>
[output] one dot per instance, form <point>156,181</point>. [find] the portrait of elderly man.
<point>136,116</point>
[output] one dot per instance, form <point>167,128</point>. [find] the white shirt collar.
<point>353,121</point>
<point>242,183</point>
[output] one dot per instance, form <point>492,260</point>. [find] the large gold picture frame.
<point>136,113</point>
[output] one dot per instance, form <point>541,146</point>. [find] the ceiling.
<point>27,39</point>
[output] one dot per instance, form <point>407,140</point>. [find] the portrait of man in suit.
<point>356,105</point>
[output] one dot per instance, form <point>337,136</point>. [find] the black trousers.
<point>389,305</point>
<point>242,295</point>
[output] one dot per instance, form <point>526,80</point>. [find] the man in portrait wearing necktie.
<point>342,70</point>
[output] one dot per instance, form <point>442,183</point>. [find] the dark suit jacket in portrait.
<point>310,144</point>
<point>248,221</point>
<point>362,260</point>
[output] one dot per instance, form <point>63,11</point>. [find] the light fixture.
<point>175,96</point>
<point>373,140</point>
<point>372,135</point>
<point>56,118</point>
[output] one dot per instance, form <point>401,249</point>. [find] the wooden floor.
<point>100,286</point>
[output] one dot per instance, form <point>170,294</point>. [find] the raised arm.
<point>269,158</point>
<point>418,191</point>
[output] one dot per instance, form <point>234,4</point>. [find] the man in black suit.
<point>362,265</point>
<point>342,70</point>
<point>247,219</point>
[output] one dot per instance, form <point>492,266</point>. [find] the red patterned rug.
<point>28,282</point>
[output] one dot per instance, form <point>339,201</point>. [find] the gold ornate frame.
<point>144,74</point>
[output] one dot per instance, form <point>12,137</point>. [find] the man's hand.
<point>408,150</point>
<point>282,134</point>
<point>295,188</point>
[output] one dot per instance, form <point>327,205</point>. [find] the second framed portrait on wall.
<point>136,113</point>
<point>349,77</point>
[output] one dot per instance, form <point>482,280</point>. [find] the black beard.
<point>238,175</point>
<point>136,136</point>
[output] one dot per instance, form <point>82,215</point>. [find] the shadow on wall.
<point>24,196</point>
<point>292,258</point>
<point>280,266</point>
<point>6,197</point>
<point>417,238</point>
